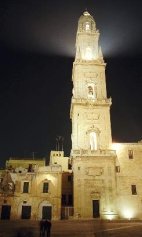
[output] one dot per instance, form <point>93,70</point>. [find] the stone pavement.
<point>72,228</point>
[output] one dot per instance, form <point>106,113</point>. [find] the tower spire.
<point>87,38</point>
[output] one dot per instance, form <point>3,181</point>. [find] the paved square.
<point>74,228</point>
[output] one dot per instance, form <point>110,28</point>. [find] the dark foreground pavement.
<point>72,228</point>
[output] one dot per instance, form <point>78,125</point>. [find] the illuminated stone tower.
<point>93,160</point>
<point>90,107</point>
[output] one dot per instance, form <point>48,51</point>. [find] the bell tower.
<point>90,107</point>
<point>93,160</point>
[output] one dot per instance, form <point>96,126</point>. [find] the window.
<point>69,166</point>
<point>87,26</point>
<point>130,154</point>
<point>64,199</point>
<point>45,187</point>
<point>30,168</point>
<point>26,187</point>
<point>133,189</point>
<point>90,90</point>
<point>93,141</point>
<point>70,199</point>
<point>117,168</point>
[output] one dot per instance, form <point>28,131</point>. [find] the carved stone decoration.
<point>91,81</point>
<point>94,183</point>
<point>95,195</point>
<point>92,116</point>
<point>91,74</point>
<point>21,170</point>
<point>94,188</point>
<point>93,128</point>
<point>94,171</point>
<point>7,185</point>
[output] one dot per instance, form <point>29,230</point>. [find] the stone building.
<point>58,158</point>
<point>107,177</point>
<point>100,179</point>
<point>30,190</point>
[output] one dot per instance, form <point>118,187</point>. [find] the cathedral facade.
<point>100,179</point>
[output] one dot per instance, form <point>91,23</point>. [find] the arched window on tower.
<point>91,91</point>
<point>88,53</point>
<point>87,26</point>
<point>93,140</point>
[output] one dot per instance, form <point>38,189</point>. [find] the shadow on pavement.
<point>25,232</point>
<point>101,230</point>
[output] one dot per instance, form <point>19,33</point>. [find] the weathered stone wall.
<point>94,179</point>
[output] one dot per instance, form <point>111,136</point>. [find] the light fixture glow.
<point>110,215</point>
<point>128,213</point>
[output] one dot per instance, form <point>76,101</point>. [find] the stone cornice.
<point>84,102</point>
<point>99,62</point>
<point>95,153</point>
<point>98,102</point>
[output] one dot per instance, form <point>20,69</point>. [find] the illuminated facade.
<point>107,182</point>
<point>129,179</point>
<point>30,190</point>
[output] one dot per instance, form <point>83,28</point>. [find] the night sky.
<point>37,48</point>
